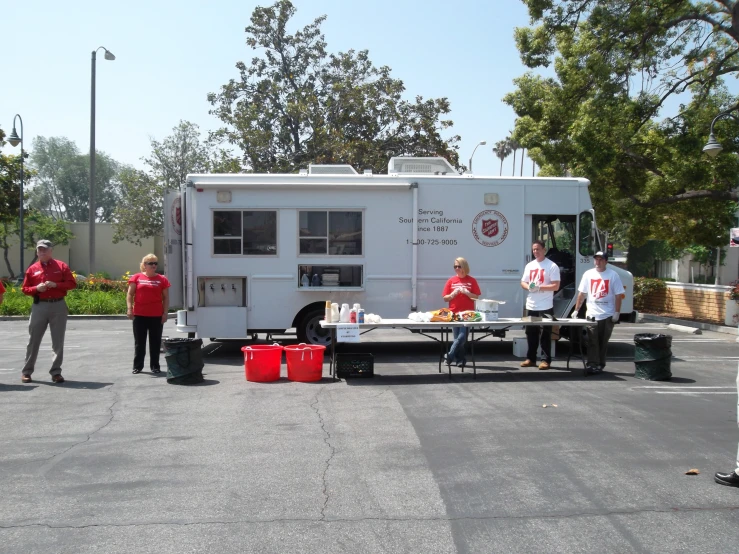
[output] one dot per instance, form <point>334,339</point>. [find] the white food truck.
<point>262,253</point>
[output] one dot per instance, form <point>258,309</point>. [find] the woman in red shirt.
<point>460,291</point>
<point>147,304</point>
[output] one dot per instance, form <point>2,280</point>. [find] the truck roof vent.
<point>331,169</point>
<point>420,166</point>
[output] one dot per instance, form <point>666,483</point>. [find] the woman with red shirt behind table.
<point>460,291</point>
<point>148,302</point>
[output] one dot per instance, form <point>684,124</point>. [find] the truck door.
<point>559,234</point>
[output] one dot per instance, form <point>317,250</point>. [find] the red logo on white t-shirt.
<point>536,276</point>
<point>599,288</point>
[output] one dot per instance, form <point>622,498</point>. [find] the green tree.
<point>138,214</point>
<point>617,65</point>
<point>63,182</point>
<point>298,104</point>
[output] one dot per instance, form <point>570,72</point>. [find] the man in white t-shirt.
<point>602,288</point>
<point>541,280</point>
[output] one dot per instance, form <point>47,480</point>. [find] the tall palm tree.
<point>502,150</point>
<point>514,146</point>
<point>523,155</point>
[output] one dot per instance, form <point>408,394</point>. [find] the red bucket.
<point>262,362</point>
<point>304,362</point>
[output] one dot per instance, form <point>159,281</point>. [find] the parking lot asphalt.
<point>407,461</point>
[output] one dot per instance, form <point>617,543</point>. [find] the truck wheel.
<point>311,332</point>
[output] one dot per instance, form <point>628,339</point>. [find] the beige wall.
<point>701,302</point>
<point>114,259</point>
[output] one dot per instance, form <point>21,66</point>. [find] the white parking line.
<point>691,392</point>
<point>682,389</point>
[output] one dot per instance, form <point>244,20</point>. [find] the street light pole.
<point>481,143</point>
<point>91,201</point>
<point>713,147</point>
<point>14,140</point>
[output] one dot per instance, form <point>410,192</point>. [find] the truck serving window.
<point>333,233</point>
<point>245,232</point>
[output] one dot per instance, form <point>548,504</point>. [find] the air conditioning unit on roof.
<point>331,169</point>
<point>420,166</point>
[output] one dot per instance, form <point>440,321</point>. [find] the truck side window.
<point>586,234</point>
<point>335,232</point>
<point>247,233</point>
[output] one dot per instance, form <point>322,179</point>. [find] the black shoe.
<point>592,369</point>
<point>730,479</point>
<point>136,370</point>
<point>156,370</point>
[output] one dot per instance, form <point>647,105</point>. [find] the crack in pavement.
<point>49,462</point>
<point>332,450</point>
<point>383,519</point>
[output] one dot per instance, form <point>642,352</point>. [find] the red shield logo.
<point>489,227</point>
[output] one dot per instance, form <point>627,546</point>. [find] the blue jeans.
<point>457,351</point>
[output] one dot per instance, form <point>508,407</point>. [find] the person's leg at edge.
<point>462,348</point>
<point>155,342</point>
<point>731,478</point>
<point>139,338</point>
<point>546,338</point>
<point>454,352</point>
<point>58,313</point>
<point>604,335</point>
<point>593,354</point>
<point>36,329</point>
<point>533,335</point>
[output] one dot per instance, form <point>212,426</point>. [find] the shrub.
<point>734,294</point>
<point>645,287</point>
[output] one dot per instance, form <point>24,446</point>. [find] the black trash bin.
<point>184,361</point>
<point>652,356</point>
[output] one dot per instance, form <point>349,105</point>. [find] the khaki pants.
<point>43,315</point>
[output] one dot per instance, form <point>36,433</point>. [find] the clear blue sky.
<point>171,54</point>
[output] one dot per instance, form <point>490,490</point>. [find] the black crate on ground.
<point>355,365</point>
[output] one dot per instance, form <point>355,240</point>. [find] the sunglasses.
<point>152,263</point>
<point>457,267</point>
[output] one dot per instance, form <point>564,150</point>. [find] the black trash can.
<point>652,356</point>
<point>184,361</point>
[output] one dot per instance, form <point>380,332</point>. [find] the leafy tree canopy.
<point>62,187</point>
<point>619,66</point>
<point>298,104</point>
<point>138,214</point>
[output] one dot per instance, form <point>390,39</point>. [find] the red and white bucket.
<point>262,362</point>
<point>304,362</point>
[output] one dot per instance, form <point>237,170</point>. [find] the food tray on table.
<point>355,365</point>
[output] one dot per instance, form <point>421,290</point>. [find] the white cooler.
<point>488,309</point>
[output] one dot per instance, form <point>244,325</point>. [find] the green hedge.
<point>90,299</point>
<point>644,287</point>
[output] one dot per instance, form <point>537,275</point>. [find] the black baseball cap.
<point>601,254</point>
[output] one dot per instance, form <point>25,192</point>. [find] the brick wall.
<point>681,300</point>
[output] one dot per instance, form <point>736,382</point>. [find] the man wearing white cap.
<point>604,292</point>
<point>48,281</point>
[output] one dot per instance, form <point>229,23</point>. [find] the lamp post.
<point>15,140</point>
<point>108,56</point>
<point>481,143</point>
<point>713,147</point>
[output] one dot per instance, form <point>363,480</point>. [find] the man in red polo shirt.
<point>48,281</point>
<point>2,292</point>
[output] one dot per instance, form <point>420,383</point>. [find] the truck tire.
<point>310,332</point>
